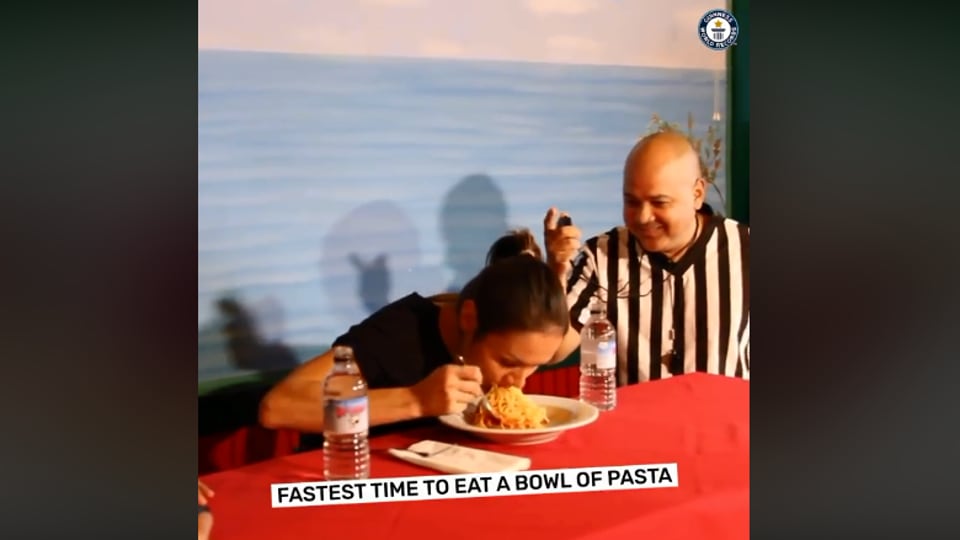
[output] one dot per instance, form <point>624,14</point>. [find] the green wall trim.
<point>265,378</point>
<point>738,117</point>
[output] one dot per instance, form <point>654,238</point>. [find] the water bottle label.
<point>346,416</point>
<point>587,357</point>
<point>606,355</point>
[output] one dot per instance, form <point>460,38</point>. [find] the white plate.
<point>564,414</point>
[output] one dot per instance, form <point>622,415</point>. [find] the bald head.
<point>662,191</point>
<point>663,149</point>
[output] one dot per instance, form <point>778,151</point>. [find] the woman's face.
<point>508,358</point>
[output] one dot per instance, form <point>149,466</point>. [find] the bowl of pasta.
<point>523,419</point>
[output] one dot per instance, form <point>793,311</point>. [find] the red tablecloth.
<point>701,422</point>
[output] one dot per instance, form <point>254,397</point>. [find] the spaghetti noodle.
<point>516,411</point>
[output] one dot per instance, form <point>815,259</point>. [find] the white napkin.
<point>454,459</point>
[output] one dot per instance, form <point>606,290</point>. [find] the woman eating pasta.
<point>507,321</point>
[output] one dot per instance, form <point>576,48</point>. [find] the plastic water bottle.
<point>346,420</point>
<point>598,360</point>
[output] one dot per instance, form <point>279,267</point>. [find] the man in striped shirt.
<point>674,279</point>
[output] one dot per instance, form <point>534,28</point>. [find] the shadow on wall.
<point>373,281</point>
<point>472,217</point>
<point>251,337</point>
<point>365,257</point>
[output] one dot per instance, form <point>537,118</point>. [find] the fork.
<point>484,402</point>
<point>427,454</point>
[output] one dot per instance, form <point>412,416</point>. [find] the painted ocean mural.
<point>329,186</point>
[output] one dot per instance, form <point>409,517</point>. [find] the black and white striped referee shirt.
<point>701,301</point>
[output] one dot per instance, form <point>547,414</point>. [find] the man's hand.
<point>204,493</point>
<point>204,517</point>
<point>204,525</point>
<point>562,244</point>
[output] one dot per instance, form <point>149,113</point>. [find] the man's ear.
<point>699,193</point>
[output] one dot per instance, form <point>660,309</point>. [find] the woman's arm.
<point>297,401</point>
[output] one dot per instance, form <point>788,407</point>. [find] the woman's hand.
<point>448,390</point>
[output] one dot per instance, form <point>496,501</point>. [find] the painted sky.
<point>653,33</point>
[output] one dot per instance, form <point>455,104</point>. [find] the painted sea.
<point>330,186</point>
